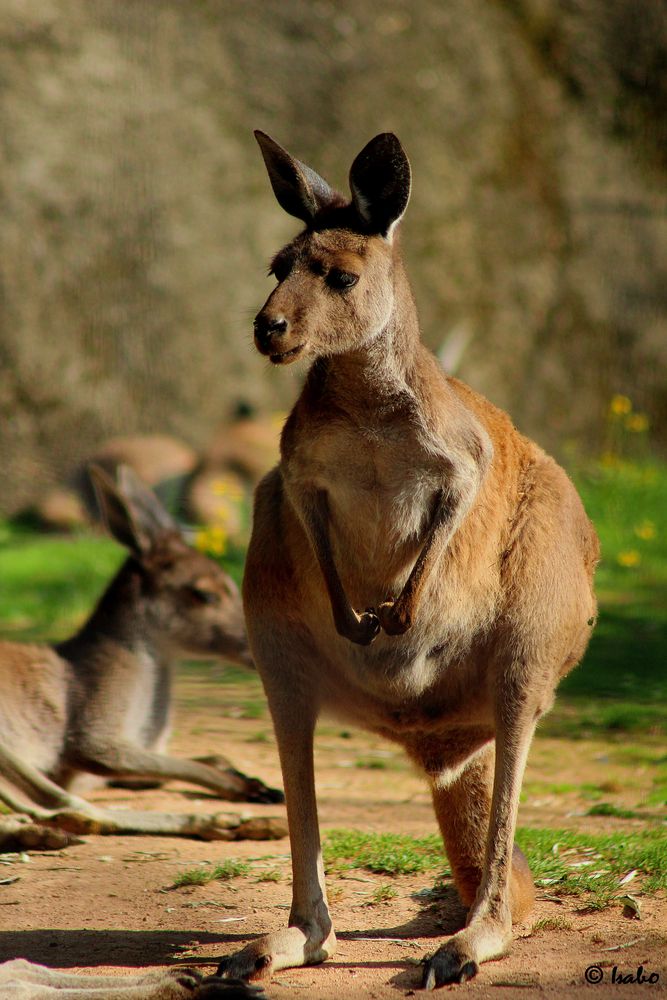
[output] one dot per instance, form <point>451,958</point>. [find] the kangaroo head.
<point>335,288</point>
<point>186,600</point>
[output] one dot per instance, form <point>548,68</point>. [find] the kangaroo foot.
<point>459,959</point>
<point>285,949</point>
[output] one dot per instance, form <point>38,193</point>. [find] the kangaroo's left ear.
<point>380,184</point>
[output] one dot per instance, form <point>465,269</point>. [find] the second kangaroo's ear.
<point>132,513</point>
<point>299,190</point>
<point>380,184</point>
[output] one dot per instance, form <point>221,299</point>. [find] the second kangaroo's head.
<point>335,288</point>
<point>185,602</point>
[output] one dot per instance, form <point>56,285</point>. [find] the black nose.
<point>267,327</point>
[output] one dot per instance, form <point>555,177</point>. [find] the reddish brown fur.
<point>402,492</point>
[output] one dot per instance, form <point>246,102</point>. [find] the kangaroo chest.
<point>380,483</point>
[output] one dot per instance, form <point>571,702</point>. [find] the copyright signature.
<point>595,974</point>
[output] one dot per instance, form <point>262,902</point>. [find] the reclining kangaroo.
<point>100,702</point>
<point>417,566</point>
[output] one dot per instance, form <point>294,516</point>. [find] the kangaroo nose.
<point>268,327</point>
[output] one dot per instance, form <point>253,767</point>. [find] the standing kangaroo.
<point>417,566</point>
<point>100,701</point>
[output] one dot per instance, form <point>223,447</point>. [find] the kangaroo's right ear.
<point>380,181</point>
<point>299,190</point>
<point>131,512</point>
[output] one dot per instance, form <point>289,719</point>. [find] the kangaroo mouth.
<point>287,356</point>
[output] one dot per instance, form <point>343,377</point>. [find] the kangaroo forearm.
<point>451,507</point>
<point>360,628</point>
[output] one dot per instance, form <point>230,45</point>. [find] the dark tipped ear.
<point>299,190</point>
<point>130,511</point>
<point>380,184</point>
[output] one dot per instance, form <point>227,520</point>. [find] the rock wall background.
<point>136,215</point>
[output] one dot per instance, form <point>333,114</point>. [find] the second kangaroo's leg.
<point>38,787</point>
<point>22,980</point>
<point>126,760</point>
<point>309,937</point>
<point>482,853</point>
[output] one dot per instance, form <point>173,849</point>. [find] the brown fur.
<point>417,566</point>
<point>100,702</point>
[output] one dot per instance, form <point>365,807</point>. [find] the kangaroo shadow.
<point>441,914</point>
<point>63,949</point>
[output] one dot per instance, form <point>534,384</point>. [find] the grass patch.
<point>48,586</point>
<point>551,924</point>
<point>609,809</point>
<point>373,763</point>
<point>573,864</point>
<point>217,873</point>
<point>271,876</point>
<point>382,853</point>
<point>253,710</point>
<point>261,737</point>
<point>563,862</point>
<point>621,686</point>
<point>382,894</point>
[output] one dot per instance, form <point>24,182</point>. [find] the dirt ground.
<point>107,904</point>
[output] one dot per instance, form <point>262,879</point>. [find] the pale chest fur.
<point>381,483</point>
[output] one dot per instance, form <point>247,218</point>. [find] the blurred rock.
<point>60,510</point>
<point>137,215</point>
<point>249,446</point>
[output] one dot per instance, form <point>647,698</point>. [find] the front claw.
<point>362,629</point>
<point>394,617</point>
<point>445,967</point>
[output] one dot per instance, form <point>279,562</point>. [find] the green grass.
<point>564,863</point>
<point>386,853</point>
<point>621,686</point>
<point>383,894</point>
<point>202,876</point>
<point>610,855</point>
<point>48,585</point>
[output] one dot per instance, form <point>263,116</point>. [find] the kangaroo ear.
<point>299,190</point>
<point>380,184</point>
<point>131,512</point>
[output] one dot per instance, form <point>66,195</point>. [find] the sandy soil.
<point>107,904</point>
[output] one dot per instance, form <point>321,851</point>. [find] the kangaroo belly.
<point>33,703</point>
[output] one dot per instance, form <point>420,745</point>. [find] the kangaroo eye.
<point>202,596</point>
<point>281,269</point>
<point>341,279</point>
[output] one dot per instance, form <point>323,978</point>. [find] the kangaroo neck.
<point>381,371</point>
<point>117,619</point>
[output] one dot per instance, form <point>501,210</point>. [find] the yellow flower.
<point>620,406</point>
<point>637,422</point>
<point>629,558</point>
<point>645,530</point>
<point>211,540</point>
